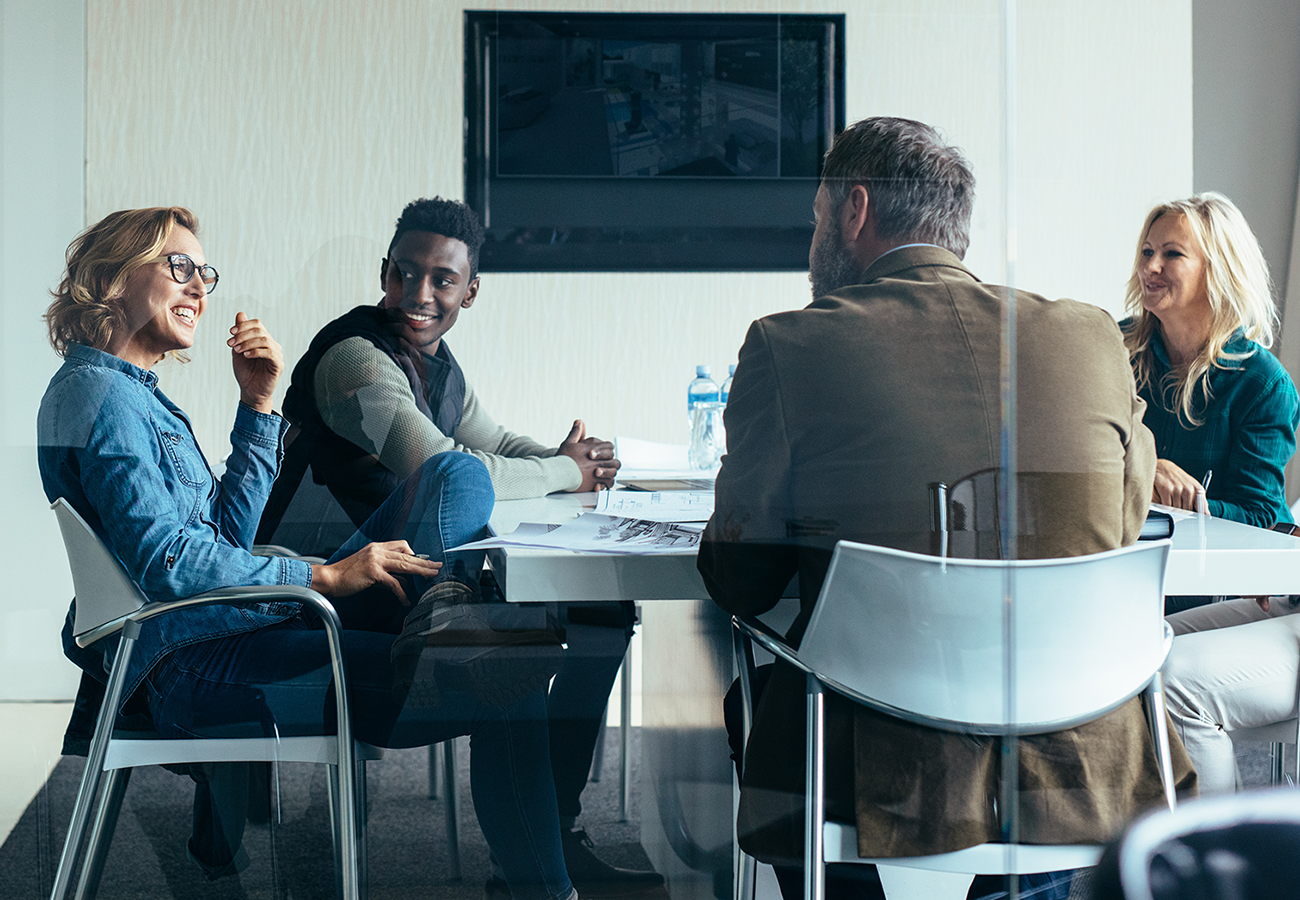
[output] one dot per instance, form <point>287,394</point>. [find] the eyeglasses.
<point>183,269</point>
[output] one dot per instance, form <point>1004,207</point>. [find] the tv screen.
<point>638,141</point>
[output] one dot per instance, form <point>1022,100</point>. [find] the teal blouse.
<point>1247,435</point>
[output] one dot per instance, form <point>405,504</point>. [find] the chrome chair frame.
<point>110,603</point>
<point>810,658</point>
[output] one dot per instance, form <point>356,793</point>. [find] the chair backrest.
<point>926,639</point>
<point>965,521</point>
<point>103,590</point>
<point>1244,845</point>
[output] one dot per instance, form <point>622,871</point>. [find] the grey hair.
<point>921,188</point>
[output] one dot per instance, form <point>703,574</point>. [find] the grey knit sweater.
<point>363,397</point>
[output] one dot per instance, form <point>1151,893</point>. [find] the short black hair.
<point>449,218</point>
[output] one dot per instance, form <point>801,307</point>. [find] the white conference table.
<point>686,799</point>
<point>1209,556</point>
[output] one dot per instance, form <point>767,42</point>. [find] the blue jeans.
<point>278,679</point>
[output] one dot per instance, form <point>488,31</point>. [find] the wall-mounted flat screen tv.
<point>637,141</point>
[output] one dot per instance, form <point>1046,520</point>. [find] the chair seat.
<point>982,859</point>
<point>128,749</point>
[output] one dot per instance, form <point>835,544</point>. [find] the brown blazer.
<point>839,416</point>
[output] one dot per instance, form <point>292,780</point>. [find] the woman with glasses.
<point>125,457</point>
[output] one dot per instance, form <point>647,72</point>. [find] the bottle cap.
<point>731,369</point>
<point>703,371</point>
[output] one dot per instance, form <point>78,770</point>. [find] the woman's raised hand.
<point>258,362</point>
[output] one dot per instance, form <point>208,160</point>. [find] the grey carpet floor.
<point>292,860</point>
<point>407,842</point>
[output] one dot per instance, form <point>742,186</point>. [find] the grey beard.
<point>832,268</point>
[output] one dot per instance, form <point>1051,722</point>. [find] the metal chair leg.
<point>336,826</point>
<point>363,832</point>
<point>101,833</point>
<point>1295,760</point>
<point>815,785</point>
<point>94,772</point>
<point>748,877</point>
<point>598,752</point>
<point>625,737</point>
<point>452,810</point>
<point>743,650</point>
<point>1160,735</point>
<point>437,782</point>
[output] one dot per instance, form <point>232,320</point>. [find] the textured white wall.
<point>42,45</point>
<point>298,131</point>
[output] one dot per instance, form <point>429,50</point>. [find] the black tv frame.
<point>687,223</point>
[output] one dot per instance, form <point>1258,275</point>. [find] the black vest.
<point>353,475</point>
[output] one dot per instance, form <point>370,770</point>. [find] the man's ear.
<point>383,274</point>
<point>470,294</point>
<point>854,214</point>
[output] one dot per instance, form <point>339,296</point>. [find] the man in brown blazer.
<point>840,415</point>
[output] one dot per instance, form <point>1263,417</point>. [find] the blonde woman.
<point>1217,402</point>
<point>1222,409</point>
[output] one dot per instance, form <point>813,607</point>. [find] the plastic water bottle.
<point>702,390</point>
<point>726,385</point>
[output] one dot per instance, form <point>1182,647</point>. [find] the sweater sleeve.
<point>365,398</point>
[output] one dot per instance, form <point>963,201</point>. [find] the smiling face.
<point>427,282</point>
<point>1172,273</point>
<point>161,314</point>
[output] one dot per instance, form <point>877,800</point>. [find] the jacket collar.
<point>916,256</point>
<point>83,355</point>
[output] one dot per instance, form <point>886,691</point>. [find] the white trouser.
<point>1232,666</point>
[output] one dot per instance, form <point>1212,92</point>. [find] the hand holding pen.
<point>1202,505</point>
<point>1175,487</point>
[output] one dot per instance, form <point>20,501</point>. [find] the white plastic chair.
<point>1227,847</point>
<point>109,603</point>
<point>1083,636</point>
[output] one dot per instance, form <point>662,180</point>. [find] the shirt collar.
<point>1236,344</point>
<point>902,247</point>
<point>90,356</point>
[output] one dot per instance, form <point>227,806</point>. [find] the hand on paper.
<point>372,564</point>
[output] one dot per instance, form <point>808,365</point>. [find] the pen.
<point>1202,506</point>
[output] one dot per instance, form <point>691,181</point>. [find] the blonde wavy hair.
<point>88,307</point>
<point>1239,289</point>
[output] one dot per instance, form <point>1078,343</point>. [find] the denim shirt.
<point>124,456</point>
<point>1246,438</point>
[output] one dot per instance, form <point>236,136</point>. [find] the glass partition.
<point>313,140</point>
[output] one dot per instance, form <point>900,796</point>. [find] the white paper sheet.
<point>657,506</point>
<point>640,456</point>
<point>597,533</point>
